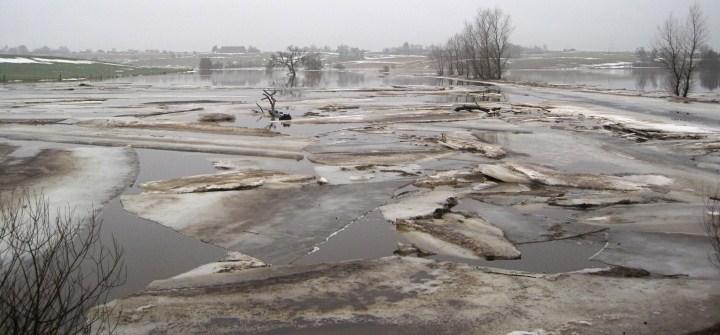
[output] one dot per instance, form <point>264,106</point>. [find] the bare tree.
<point>695,36</point>
<point>290,59</point>
<point>482,49</point>
<point>499,28</point>
<point>270,98</point>
<point>470,49</point>
<point>669,51</point>
<point>439,58</point>
<point>678,47</point>
<point>53,269</point>
<point>454,48</point>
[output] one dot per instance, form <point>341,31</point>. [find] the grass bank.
<point>15,68</point>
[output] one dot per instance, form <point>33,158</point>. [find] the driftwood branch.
<point>270,98</point>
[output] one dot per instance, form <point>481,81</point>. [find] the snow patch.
<point>19,60</point>
<point>618,65</point>
<point>66,61</point>
<point>634,123</point>
<point>39,60</point>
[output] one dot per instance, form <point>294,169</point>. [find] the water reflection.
<point>646,80</point>
<point>710,70</point>
<point>351,79</point>
<point>643,79</point>
<point>258,78</point>
<point>710,79</point>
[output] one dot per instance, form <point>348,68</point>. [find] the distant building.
<point>229,49</point>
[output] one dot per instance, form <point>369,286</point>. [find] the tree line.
<point>481,50</point>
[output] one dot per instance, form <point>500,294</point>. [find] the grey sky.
<point>371,24</point>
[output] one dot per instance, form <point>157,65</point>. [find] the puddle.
<point>545,257</point>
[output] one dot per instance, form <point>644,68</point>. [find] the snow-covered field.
<point>39,60</point>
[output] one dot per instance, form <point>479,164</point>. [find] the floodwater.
<point>640,79</point>
<point>153,251</point>
<point>545,257</point>
<point>258,77</point>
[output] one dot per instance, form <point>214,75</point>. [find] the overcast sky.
<point>185,25</point>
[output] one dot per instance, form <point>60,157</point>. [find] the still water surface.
<point>640,79</point>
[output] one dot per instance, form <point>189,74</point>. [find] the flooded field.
<point>413,184</point>
<point>260,77</point>
<point>639,79</point>
<point>360,167</point>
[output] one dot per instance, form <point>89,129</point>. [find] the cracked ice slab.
<point>458,235</point>
<point>661,253</point>
<point>228,181</point>
<point>421,204</point>
<point>276,225</point>
<point>527,173</point>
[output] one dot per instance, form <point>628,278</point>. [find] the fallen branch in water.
<point>569,236</point>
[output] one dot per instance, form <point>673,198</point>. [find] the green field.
<point>23,72</point>
<point>572,59</point>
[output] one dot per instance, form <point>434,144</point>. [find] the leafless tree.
<point>470,49</point>
<point>500,29</point>
<point>291,59</point>
<point>439,58</point>
<point>270,98</point>
<point>454,50</point>
<point>678,45</point>
<point>53,269</point>
<point>481,49</point>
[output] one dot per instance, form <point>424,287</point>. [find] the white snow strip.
<point>19,60</point>
<point>66,61</point>
<point>39,60</point>
<point>635,123</point>
<point>618,65</point>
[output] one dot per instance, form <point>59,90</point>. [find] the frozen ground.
<point>540,179</point>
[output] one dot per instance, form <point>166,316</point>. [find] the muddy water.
<point>153,251</point>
